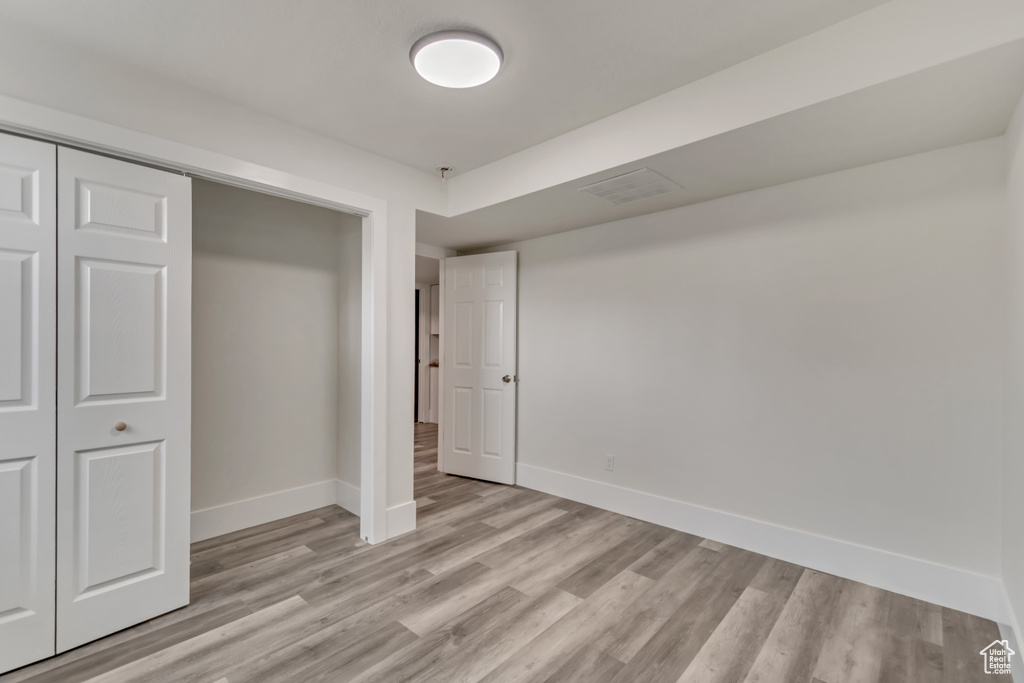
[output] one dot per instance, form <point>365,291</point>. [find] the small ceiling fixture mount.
<point>456,59</point>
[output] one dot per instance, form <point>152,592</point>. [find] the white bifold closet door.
<point>28,432</point>
<point>123,394</point>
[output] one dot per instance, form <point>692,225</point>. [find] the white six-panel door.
<point>480,367</point>
<point>28,252</point>
<point>123,404</point>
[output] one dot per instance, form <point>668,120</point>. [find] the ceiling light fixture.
<point>456,59</point>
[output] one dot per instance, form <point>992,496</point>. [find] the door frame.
<point>442,450</point>
<point>423,339</point>
<point>31,120</point>
<point>440,368</point>
<point>439,253</point>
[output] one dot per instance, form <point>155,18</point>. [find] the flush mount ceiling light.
<point>456,59</point>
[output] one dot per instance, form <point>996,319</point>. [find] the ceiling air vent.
<point>629,187</point>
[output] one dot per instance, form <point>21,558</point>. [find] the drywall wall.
<point>349,349</point>
<point>1012,477</point>
<point>267,310</point>
<point>823,356</point>
<point>401,516</point>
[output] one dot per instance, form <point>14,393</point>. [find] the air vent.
<point>629,187</point>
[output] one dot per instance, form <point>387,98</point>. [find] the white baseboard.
<point>1008,633</point>
<point>401,519</point>
<point>1011,631</point>
<point>347,496</point>
<point>242,514</point>
<point>955,588</point>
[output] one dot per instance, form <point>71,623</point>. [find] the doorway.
<point>472,321</point>
<point>428,354</point>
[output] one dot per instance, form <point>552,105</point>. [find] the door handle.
<point>506,379</point>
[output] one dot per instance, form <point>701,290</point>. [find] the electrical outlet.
<point>609,463</point>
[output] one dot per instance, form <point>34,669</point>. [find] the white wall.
<point>349,353</point>
<point>1013,474</point>
<point>401,382</point>
<point>268,285</point>
<point>824,355</point>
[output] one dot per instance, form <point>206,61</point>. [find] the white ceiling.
<point>722,96</point>
<point>960,101</point>
<point>340,67</point>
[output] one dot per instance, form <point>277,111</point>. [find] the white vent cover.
<point>629,187</point>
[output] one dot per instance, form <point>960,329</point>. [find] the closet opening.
<point>290,394</point>
<point>276,358</point>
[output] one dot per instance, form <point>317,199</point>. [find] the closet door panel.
<point>124,396</point>
<point>119,506</point>
<point>27,403</point>
<point>18,276</point>
<point>121,319</point>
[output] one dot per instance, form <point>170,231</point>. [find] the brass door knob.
<point>120,426</point>
<point>506,379</point>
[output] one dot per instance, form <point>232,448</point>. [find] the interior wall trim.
<point>242,514</point>
<point>347,496</point>
<point>1011,630</point>
<point>401,519</point>
<point>958,589</point>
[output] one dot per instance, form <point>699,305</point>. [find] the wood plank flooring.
<point>507,584</point>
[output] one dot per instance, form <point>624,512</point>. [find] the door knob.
<point>506,379</point>
<point>120,426</point>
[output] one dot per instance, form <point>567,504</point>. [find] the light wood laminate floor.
<point>507,584</point>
